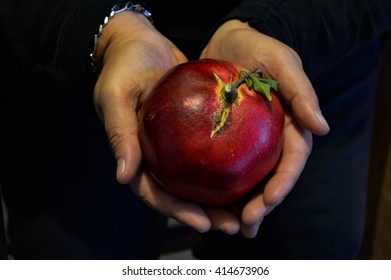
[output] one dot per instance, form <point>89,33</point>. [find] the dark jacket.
<point>55,162</point>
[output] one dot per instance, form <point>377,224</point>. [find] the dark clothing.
<point>58,173</point>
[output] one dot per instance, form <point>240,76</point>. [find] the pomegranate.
<point>211,130</point>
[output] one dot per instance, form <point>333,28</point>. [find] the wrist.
<point>122,17</point>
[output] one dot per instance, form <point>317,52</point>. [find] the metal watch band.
<point>118,8</point>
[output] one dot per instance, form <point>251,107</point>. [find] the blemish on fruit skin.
<point>152,116</point>
<point>194,103</point>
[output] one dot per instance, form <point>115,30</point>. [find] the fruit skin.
<point>176,124</point>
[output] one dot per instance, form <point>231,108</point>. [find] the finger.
<point>292,161</point>
<point>121,129</point>
<point>293,158</point>
<point>116,107</point>
<point>251,230</point>
<point>298,92</point>
<point>184,212</point>
<point>223,219</point>
<point>253,215</point>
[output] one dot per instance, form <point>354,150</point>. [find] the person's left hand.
<point>238,43</point>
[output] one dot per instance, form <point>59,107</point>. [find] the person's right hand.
<point>133,56</point>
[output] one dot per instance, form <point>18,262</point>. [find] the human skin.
<point>134,55</point>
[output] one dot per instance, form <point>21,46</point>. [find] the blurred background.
<point>377,239</point>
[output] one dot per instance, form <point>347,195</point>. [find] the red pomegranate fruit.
<point>211,130</point>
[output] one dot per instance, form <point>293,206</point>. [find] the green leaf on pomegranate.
<point>262,88</point>
<point>259,84</point>
<point>272,83</point>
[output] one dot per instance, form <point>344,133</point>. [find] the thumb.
<point>121,129</point>
<point>305,108</point>
<point>117,111</point>
<point>297,90</point>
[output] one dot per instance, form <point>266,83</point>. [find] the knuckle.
<point>116,137</point>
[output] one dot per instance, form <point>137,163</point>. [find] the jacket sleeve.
<point>52,36</point>
<point>317,29</point>
<point>48,45</point>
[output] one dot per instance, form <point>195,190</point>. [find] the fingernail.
<point>120,167</point>
<point>322,120</point>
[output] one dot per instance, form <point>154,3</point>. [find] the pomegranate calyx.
<point>229,93</point>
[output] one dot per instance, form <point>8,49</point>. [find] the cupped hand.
<point>237,42</point>
<point>133,55</point>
